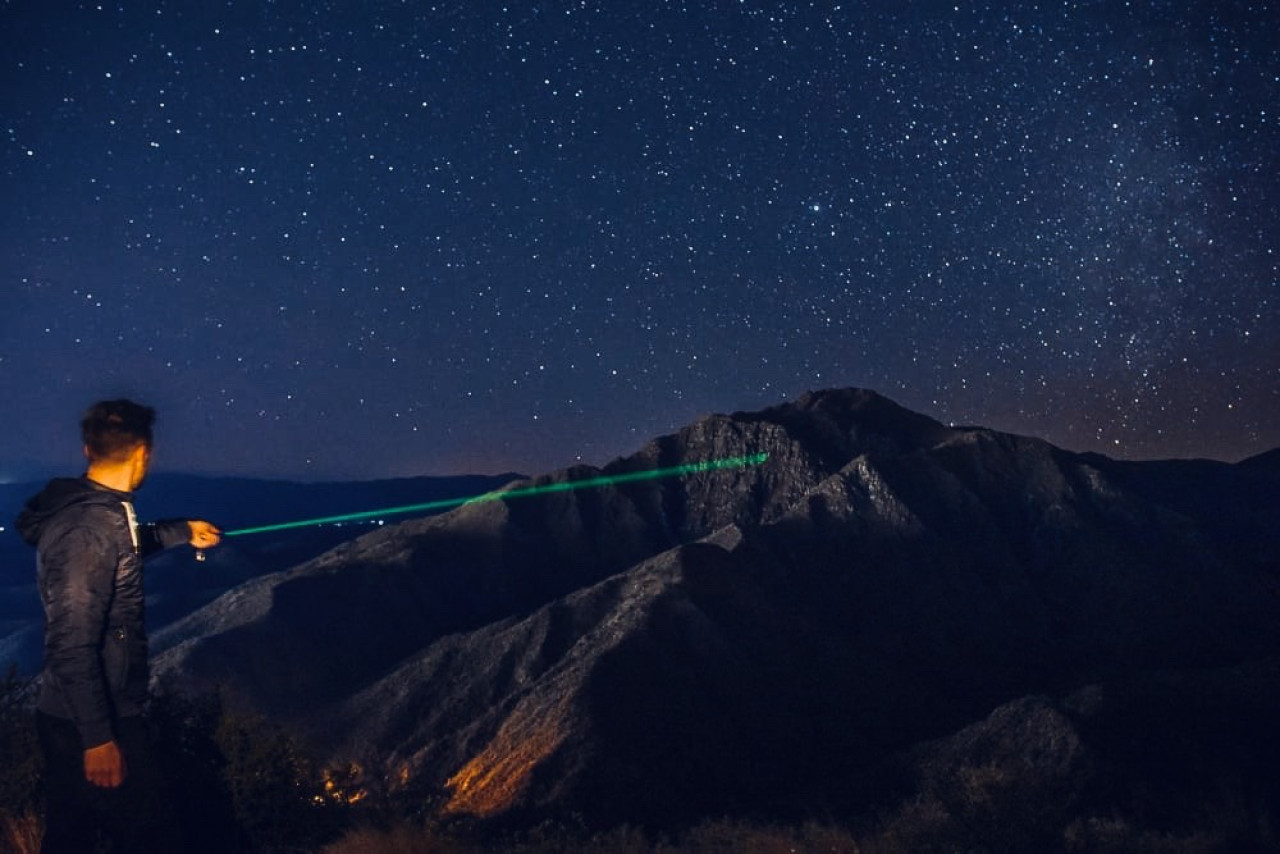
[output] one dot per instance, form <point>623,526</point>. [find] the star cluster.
<point>390,238</point>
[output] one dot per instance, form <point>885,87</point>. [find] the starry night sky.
<point>370,239</point>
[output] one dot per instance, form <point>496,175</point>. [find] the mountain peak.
<point>645,648</point>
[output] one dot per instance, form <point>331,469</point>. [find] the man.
<point>102,774</point>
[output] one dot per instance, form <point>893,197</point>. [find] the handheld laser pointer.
<point>524,492</point>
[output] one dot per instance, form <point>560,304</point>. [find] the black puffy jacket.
<point>89,569</point>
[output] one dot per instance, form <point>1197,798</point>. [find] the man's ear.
<point>87,454</point>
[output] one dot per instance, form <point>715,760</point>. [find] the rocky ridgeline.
<point>883,601</point>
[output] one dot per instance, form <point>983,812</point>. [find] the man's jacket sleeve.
<point>154,536</point>
<point>79,578</point>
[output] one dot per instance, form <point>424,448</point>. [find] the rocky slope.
<point>755,638</point>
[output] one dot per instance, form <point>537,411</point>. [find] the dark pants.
<point>79,816</point>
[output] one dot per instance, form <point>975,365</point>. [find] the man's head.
<point>117,436</point>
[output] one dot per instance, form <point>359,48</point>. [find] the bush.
<point>195,770</point>
<point>20,771</point>
<point>276,790</point>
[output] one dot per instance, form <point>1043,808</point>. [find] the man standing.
<point>103,777</point>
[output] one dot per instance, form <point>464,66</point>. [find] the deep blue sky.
<point>362,239</point>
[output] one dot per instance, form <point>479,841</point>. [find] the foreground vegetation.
<point>244,785</point>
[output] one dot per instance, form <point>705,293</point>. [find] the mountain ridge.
<point>652,652</point>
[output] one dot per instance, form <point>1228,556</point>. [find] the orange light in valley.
<point>343,785</point>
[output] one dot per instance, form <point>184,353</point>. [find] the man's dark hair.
<point>111,429</point>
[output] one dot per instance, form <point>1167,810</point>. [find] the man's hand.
<point>104,765</point>
<point>204,534</point>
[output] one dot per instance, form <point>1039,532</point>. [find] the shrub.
<point>277,792</point>
<point>21,769</point>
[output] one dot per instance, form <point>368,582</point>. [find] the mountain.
<point>764,638</point>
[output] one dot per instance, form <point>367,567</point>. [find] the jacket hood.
<point>58,495</point>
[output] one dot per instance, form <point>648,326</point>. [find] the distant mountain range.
<point>887,610</point>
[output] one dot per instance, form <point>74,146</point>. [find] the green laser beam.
<point>500,495</point>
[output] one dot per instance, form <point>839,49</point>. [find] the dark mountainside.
<point>889,615</point>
